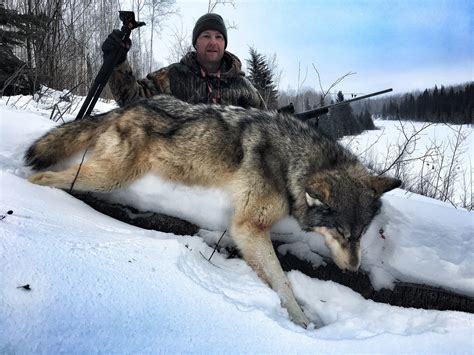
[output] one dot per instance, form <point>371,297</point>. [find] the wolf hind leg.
<point>95,176</point>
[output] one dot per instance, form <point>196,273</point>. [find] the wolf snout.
<point>347,265</point>
<point>353,264</point>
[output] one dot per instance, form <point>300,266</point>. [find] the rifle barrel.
<point>361,97</point>
<point>325,109</point>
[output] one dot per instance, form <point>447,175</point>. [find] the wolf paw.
<point>301,320</point>
<point>45,178</point>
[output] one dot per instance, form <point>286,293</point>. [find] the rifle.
<point>315,113</point>
<point>110,62</point>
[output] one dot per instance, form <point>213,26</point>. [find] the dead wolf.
<point>271,164</point>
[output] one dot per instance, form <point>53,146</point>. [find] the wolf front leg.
<point>253,241</point>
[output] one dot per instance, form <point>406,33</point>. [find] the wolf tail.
<point>62,142</point>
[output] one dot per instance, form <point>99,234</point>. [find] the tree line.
<point>452,104</point>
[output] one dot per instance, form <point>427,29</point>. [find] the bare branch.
<point>213,4</point>
<point>324,93</point>
<point>404,148</point>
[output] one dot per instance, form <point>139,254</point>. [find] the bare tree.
<point>273,66</point>
<point>68,53</point>
<point>324,92</point>
<point>157,11</point>
<point>213,4</point>
<point>139,53</point>
<point>303,97</point>
<point>181,44</point>
<point>300,82</point>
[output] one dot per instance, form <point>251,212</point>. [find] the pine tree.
<point>365,120</point>
<point>451,104</point>
<point>262,78</point>
<point>343,119</point>
<point>16,28</point>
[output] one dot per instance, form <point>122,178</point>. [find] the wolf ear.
<point>382,184</point>
<point>318,193</point>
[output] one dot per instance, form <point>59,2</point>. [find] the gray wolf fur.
<point>271,164</point>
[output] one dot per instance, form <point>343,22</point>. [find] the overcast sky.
<point>407,44</point>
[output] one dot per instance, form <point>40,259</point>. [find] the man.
<point>209,74</point>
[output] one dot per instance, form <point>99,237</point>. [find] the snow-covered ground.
<point>99,285</point>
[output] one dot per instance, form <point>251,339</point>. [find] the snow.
<point>100,285</point>
<point>436,153</point>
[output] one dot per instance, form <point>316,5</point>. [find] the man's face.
<point>210,46</point>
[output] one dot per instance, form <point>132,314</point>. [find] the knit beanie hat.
<point>209,21</point>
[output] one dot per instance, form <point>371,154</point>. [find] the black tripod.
<point>129,23</point>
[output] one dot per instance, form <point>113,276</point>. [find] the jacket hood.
<point>231,64</point>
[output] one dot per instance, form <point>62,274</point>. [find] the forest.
<point>57,43</point>
<point>452,104</point>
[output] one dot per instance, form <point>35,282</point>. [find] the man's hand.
<point>114,45</point>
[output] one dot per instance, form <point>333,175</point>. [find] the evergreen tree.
<point>16,29</point>
<point>365,120</point>
<point>262,78</point>
<point>343,119</point>
<point>452,104</point>
<point>384,111</point>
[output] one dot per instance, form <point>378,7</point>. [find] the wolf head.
<point>341,206</point>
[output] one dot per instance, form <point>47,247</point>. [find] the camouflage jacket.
<point>186,81</point>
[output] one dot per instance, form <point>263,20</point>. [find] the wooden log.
<point>404,294</point>
<point>15,77</point>
<point>146,220</point>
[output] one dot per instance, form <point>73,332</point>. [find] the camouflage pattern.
<point>185,81</point>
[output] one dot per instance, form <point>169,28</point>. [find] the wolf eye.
<point>326,209</point>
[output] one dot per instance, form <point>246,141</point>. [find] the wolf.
<point>271,164</point>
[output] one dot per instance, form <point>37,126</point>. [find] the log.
<point>146,220</point>
<point>403,294</point>
<point>15,77</point>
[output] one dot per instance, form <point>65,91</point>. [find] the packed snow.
<point>99,285</point>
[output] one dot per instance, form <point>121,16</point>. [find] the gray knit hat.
<point>209,21</point>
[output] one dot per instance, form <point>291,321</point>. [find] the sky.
<point>406,45</point>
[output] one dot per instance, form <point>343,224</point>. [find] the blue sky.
<point>406,45</point>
